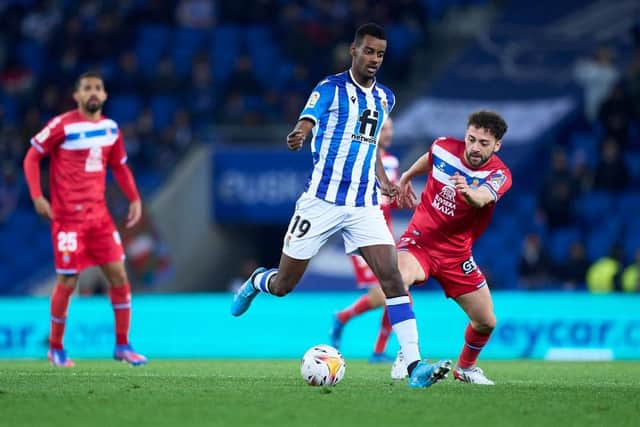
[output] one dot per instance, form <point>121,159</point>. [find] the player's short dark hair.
<point>87,75</point>
<point>370,29</point>
<point>489,120</point>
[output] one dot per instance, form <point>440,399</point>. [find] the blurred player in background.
<point>465,181</point>
<point>82,144</point>
<point>346,112</point>
<point>365,279</point>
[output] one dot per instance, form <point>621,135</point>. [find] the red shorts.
<point>457,275</point>
<point>364,276</point>
<point>80,245</point>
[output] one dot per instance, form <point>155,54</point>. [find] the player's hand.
<point>295,140</point>
<point>135,213</point>
<point>389,190</point>
<point>43,207</point>
<point>408,197</point>
<point>460,183</point>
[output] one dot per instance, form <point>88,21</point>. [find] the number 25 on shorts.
<point>67,241</point>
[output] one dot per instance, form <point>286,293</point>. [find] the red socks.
<point>59,305</point>
<point>383,334</point>
<point>361,305</point>
<point>121,302</point>
<point>474,341</point>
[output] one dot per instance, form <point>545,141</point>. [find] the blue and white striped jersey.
<point>348,119</point>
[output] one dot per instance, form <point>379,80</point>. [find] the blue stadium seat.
<point>632,159</point>
<point>163,108</point>
<point>594,207</point>
<point>31,55</point>
<point>401,40</point>
<point>599,243</point>
<point>586,144</point>
<point>560,240</point>
<point>185,44</point>
<point>151,44</point>
<point>225,48</point>
<point>629,205</point>
<point>123,108</point>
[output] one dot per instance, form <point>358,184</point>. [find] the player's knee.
<point>69,281</point>
<point>118,278</point>
<point>486,325</point>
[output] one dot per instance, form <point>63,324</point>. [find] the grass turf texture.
<point>272,393</point>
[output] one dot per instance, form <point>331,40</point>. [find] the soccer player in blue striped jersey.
<point>345,113</point>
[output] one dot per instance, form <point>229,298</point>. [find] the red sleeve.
<point>49,137</point>
<point>127,184</point>
<point>118,154</point>
<point>31,166</point>
<point>498,183</point>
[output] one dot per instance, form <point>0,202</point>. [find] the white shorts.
<point>315,220</point>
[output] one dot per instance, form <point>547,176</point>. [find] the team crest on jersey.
<point>474,183</point>
<point>313,99</point>
<point>497,180</point>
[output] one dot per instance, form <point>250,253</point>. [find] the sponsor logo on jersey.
<point>445,202</point>
<point>43,135</point>
<point>469,266</point>
<point>313,99</point>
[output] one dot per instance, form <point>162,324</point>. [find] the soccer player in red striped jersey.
<point>465,181</point>
<point>82,143</point>
<point>365,279</point>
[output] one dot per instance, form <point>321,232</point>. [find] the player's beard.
<point>93,106</point>
<point>477,162</point>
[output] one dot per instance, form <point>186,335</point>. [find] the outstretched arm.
<point>476,197</point>
<point>31,166</point>
<point>387,187</point>
<point>123,176</point>
<point>422,166</point>
<point>296,138</point>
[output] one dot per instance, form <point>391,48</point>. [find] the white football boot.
<point>471,375</point>
<point>399,368</point>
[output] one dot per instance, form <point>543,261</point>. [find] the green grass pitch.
<point>272,393</point>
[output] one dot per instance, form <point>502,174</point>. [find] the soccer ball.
<point>322,365</point>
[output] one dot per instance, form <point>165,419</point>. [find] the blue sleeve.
<point>391,100</point>
<point>319,101</point>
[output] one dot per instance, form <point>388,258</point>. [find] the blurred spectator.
<point>534,266</point>
<point>9,190</point>
<point>558,191</point>
<point>632,81</point>
<point>573,272</point>
<point>202,94</point>
<point>597,75</point>
<point>612,173</point>
<point>39,23</point>
<point>199,14</point>
<point>616,115</point>
<point>604,274</point>
<point>165,81</point>
<point>129,77</point>
<point>631,275</point>
<point>582,173</point>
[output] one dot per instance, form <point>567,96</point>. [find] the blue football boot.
<point>426,374</point>
<point>242,299</point>
<point>335,333</point>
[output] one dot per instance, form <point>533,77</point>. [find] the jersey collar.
<point>355,82</point>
